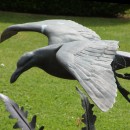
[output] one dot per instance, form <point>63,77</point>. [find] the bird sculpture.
<point>75,52</point>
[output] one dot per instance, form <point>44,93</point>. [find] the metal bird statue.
<point>75,52</point>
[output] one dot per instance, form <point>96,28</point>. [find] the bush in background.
<point>65,7</point>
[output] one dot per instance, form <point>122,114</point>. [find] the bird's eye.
<point>23,60</point>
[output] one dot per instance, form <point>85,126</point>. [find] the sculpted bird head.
<point>23,64</point>
<point>40,58</point>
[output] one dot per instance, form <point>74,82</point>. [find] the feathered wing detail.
<point>82,30</point>
<point>90,64</point>
<point>20,114</point>
<point>60,27</point>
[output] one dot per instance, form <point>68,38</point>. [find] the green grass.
<point>55,101</point>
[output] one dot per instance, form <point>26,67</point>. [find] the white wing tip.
<point>105,108</point>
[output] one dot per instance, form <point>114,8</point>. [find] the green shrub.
<point>65,7</point>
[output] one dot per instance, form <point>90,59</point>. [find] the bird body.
<point>46,59</point>
<point>74,52</point>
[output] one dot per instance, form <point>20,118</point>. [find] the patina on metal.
<point>75,52</point>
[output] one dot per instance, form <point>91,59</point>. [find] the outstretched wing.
<point>62,28</point>
<point>14,29</point>
<point>90,63</point>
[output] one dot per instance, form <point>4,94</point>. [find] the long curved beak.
<point>20,70</point>
<point>15,75</point>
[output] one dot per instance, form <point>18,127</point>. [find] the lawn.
<point>55,101</point>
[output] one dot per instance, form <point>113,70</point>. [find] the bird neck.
<point>46,53</point>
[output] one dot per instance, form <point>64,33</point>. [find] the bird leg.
<point>123,91</point>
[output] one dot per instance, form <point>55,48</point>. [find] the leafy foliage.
<point>63,7</point>
<point>20,114</point>
<point>87,118</point>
